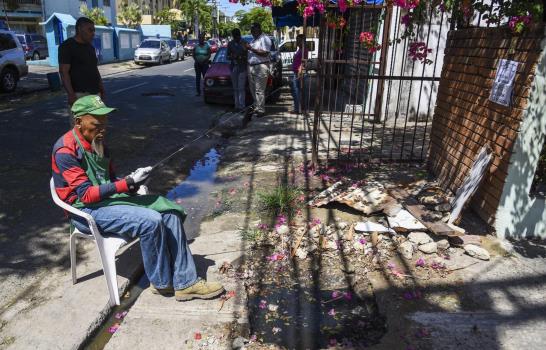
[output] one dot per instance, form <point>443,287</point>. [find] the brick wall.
<point>464,118</point>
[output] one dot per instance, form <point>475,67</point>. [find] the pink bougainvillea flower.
<point>332,342</point>
<point>335,294</point>
<point>281,220</point>
<point>391,265</point>
<point>412,295</point>
<point>263,227</point>
<point>315,222</point>
<point>275,257</point>
<point>366,37</point>
<point>253,337</point>
<point>308,12</point>
<point>420,262</point>
<point>406,19</point>
<point>197,336</point>
<point>347,296</point>
<point>113,328</point>
<point>332,312</point>
<point>419,51</point>
<point>342,4</point>
<point>275,330</point>
<point>442,7</point>
<point>362,241</point>
<point>263,304</point>
<point>120,315</point>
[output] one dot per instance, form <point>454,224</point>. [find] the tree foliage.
<point>197,9</point>
<point>226,28</point>
<point>95,14</point>
<point>255,15</point>
<point>130,15</point>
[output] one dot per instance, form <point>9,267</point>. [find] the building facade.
<point>72,7</point>
<point>149,8</point>
<point>22,15</point>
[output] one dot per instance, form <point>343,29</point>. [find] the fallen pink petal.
<point>420,262</point>
<point>332,312</point>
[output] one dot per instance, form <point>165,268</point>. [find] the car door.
<point>165,50</point>
<point>9,50</point>
<point>41,44</point>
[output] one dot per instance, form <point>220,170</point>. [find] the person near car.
<point>201,57</point>
<point>259,52</point>
<point>297,81</point>
<point>83,178</point>
<point>237,55</point>
<point>78,63</point>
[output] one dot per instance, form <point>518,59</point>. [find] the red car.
<point>213,45</point>
<point>218,88</point>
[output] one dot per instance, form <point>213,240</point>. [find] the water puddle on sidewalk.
<point>301,318</point>
<point>194,192</point>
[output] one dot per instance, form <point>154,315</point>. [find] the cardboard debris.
<point>470,184</point>
<point>369,226</point>
<point>405,222</point>
<point>371,198</point>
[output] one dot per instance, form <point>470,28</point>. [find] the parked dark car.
<point>218,87</point>
<point>34,46</point>
<point>190,45</point>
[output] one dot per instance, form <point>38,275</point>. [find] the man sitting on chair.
<point>83,178</point>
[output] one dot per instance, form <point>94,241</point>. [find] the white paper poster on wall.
<point>503,86</point>
<point>106,41</point>
<point>124,41</point>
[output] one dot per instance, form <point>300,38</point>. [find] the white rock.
<point>331,245</point>
<point>283,230</point>
<point>368,226</point>
<point>419,238</point>
<point>405,221</point>
<point>342,225</point>
<point>429,248</point>
<point>443,244</point>
<point>301,253</point>
<point>272,307</point>
<point>476,252</point>
<point>406,249</point>
<point>358,246</point>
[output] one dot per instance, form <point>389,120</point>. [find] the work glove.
<point>140,175</point>
<point>137,177</point>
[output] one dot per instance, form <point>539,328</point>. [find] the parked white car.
<point>177,50</point>
<point>13,65</point>
<point>288,48</point>
<point>153,51</point>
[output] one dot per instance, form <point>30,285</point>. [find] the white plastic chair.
<point>107,246</point>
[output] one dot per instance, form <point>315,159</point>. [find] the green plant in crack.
<point>224,202</point>
<point>282,199</point>
<point>251,234</point>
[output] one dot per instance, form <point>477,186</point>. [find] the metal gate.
<point>373,106</point>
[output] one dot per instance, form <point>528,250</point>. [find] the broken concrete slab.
<point>369,226</point>
<point>405,222</point>
<point>368,199</point>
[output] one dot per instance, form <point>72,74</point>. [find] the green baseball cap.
<point>90,104</point>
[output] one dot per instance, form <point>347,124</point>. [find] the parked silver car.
<point>153,51</point>
<point>177,50</point>
<point>13,65</point>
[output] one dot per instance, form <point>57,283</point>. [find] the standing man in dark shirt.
<point>78,63</point>
<point>238,56</point>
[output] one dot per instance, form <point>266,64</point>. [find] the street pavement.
<point>33,231</point>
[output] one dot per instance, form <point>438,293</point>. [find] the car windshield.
<point>172,43</point>
<point>21,38</point>
<point>221,56</point>
<point>150,44</point>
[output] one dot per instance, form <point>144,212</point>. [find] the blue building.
<point>60,26</point>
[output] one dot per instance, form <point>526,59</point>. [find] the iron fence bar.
<point>380,83</point>
<point>343,101</point>
<point>421,86</point>
<point>387,77</point>
<point>397,111</point>
<point>362,18</point>
<point>429,101</point>
<point>330,81</point>
<point>336,69</point>
<point>314,141</point>
<point>393,54</point>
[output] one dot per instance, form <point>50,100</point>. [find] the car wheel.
<point>177,57</point>
<point>8,80</point>
<point>36,56</point>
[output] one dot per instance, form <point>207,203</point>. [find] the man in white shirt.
<point>258,67</point>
